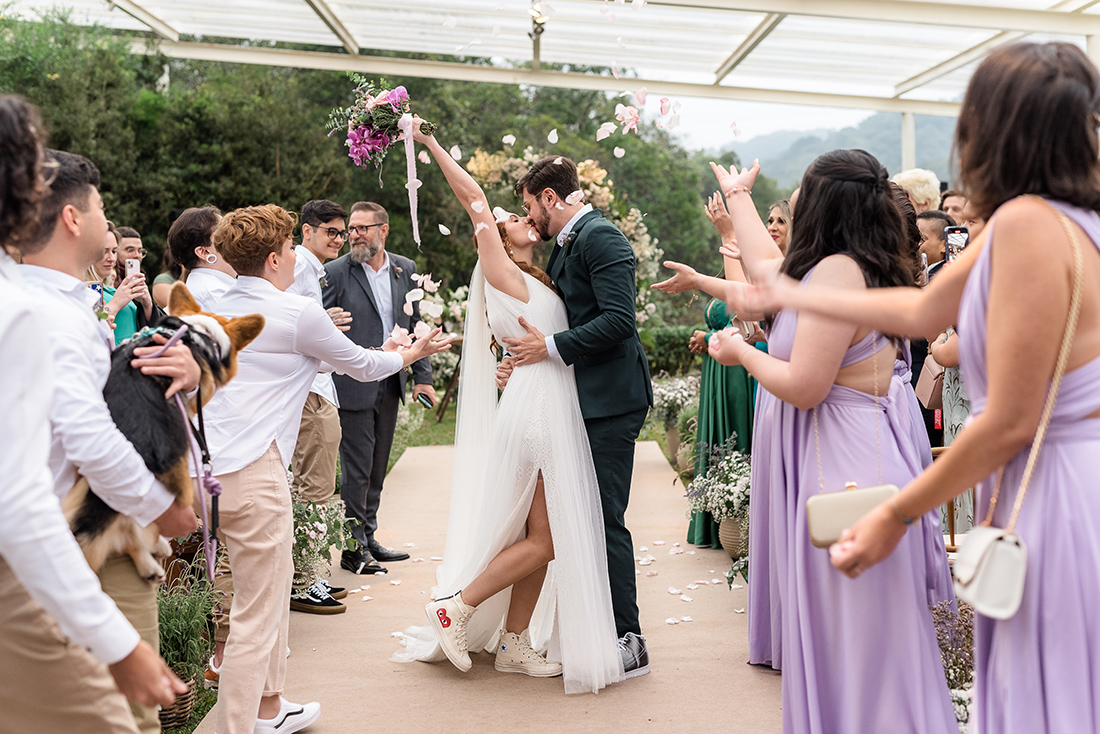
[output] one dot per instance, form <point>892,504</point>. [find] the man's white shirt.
<point>381,284</point>
<point>308,272</point>
<point>551,347</point>
<point>207,286</point>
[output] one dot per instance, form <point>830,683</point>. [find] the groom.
<point>593,268</point>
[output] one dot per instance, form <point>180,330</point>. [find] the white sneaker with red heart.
<point>448,618</point>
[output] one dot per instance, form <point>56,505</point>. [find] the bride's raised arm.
<point>498,268</point>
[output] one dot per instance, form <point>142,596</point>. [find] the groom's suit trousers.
<point>612,441</point>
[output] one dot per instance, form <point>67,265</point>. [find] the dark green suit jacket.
<point>594,273</point>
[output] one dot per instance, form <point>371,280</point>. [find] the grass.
<point>436,434</point>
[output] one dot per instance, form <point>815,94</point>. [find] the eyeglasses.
<point>335,234</point>
<point>364,229</point>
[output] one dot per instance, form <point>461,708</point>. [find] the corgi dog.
<point>157,429</point>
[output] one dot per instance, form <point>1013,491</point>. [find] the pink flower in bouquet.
<point>628,116</point>
<point>364,141</point>
<point>398,97</point>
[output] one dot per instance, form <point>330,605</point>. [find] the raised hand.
<point>730,250</point>
<point>529,348</point>
<point>731,180</point>
<point>418,134</point>
<point>685,279</point>
<point>427,346</point>
<point>719,216</point>
<point>130,289</point>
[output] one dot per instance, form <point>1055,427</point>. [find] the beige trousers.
<point>136,598</point>
<point>48,685</point>
<point>256,526</point>
<point>314,462</point>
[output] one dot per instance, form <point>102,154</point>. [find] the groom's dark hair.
<point>552,172</point>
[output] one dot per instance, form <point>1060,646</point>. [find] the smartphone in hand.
<point>133,266</point>
<point>956,238</point>
<point>425,401</point>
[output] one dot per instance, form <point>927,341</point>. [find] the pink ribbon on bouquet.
<point>405,125</point>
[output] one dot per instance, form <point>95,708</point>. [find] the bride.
<point>525,564</point>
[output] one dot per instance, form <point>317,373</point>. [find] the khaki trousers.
<point>49,685</point>
<point>314,462</point>
<point>257,528</point>
<point>136,598</point>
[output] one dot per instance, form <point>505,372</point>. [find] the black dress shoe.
<point>361,562</point>
<point>384,554</point>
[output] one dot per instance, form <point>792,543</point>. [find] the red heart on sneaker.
<point>444,620</point>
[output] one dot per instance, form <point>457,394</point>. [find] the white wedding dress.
<point>499,451</point>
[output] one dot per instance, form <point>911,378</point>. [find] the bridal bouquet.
<point>372,122</point>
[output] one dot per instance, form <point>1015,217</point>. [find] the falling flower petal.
<point>444,231</point>
<point>640,97</point>
<point>621,42</point>
<point>683,597</point>
<point>509,140</point>
<point>673,122</point>
<point>574,198</point>
<point>431,310</point>
<point>675,106</point>
<point>606,130</point>
<point>414,295</point>
<point>628,116</point>
<point>532,236</point>
<point>399,335</point>
<point>619,152</point>
<point>736,130</point>
<point>496,30</point>
<point>501,214</point>
<point>456,152</point>
<point>553,136</point>
<point>605,8</point>
<point>666,105</point>
<point>673,590</point>
<point>421,330</point>
<point>450,21</point>
<point>424,158</point>
<point>481,227</point>
<point>478,206</point>
<point>557,161</point>
<point>408,309</point>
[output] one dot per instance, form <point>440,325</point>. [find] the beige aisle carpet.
<point>699,680</point>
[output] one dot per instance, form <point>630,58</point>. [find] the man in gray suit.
<point>371,283</point>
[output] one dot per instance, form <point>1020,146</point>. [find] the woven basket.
<point>179,713</point>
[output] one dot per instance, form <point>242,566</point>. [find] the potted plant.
<point>669,398</point>
<point>723,491</point>
<point>184,606</point>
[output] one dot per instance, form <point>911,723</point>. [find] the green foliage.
<point>184,607</point>
<point>666,348</point>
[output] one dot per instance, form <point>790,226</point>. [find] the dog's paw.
<point>162,548</point>
<point>149,568</point>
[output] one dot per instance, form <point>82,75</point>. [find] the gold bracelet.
<point>900,514</point>
<point>737,190</point>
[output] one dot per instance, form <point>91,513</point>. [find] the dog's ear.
<point>181,302</point>
<point>243,330</point>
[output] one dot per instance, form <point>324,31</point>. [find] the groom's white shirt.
<point>551,347</point>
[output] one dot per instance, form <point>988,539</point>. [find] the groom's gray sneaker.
<point>635,657</point>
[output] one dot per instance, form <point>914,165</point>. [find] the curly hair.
<point>245,237</point>
<point>22,187</point>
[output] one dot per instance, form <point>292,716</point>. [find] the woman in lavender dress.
<point>1028,125</point>
<point>835,405</point>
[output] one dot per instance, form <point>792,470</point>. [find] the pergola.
<point>907,56</point>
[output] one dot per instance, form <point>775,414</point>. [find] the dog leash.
<point>204,473</point>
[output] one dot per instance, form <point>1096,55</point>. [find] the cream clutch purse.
<point>829,515</point>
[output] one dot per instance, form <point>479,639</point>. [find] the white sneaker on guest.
<point>292,717</point>
<point>515,655</point>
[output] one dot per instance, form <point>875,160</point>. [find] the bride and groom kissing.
<point>542,474</point>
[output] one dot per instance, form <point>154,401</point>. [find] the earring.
<point>211,258</point>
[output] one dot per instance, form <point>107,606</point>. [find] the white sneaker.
<point>448,618</point>
<point>292,717</point>
<point>515,655</point>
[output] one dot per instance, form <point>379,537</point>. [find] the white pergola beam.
<point>335,25</point>
<point>139,13</point>
<point>396,67</point>
<point>917,12</point>
<point>980,50</point>
<point>754,39</point>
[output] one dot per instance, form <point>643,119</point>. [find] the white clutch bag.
<point>990,570</point>
<point>829,515</point>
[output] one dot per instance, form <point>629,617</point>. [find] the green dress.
<point>125,319</point>
<point>727,398</point>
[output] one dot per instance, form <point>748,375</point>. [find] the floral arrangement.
<point>670,396</point>
<point>371,122</point>
<point>317,528</point>
<point>955,635</point>
<point>723,489</point>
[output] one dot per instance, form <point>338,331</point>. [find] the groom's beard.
<point>542,225</point>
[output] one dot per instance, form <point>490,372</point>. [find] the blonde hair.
<point>921,184</point>
<point>245,237</point>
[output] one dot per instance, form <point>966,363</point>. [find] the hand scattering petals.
<point>478,206</point>
<point>443,230</point>
<point>508,140</point>
<point>456,152</point>
<point>553,136</point>
<point>424,158</point>
<point>619,152</point>
<point>575,198</point>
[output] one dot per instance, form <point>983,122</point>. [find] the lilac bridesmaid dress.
<point>1040,671</point>
<point>858,656</point>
